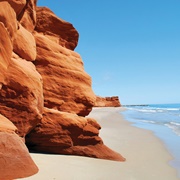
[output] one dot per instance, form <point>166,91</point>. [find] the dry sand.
<point>147,158</point>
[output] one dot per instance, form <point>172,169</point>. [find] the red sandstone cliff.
<point>44,90</point>
<point>107,101</point>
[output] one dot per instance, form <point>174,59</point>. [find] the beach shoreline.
<point>146,156</point>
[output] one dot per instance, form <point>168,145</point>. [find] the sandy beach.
<point>146,156</point>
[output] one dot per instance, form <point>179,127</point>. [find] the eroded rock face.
<point>8,18</point>
<point>24,44</point>
<point>61,130</point>
<point>17,5</point>
<point>56,29</point>
<point>107,101</point>
<point>15,160</point>
<point>27,17</point>
<point>67,87</point>
<point>46,99</point>
<point>5,52</point>
<point>21,95</point>
<point>6,125</point>
<point>67,133</point>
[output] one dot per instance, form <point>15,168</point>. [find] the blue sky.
<point>130,48</point>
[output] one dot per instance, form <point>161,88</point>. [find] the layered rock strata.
<point>67,87</point>
<point>68,133</point>
<point>56,29</point>
<point>44,90</point>
<point>107,101</point>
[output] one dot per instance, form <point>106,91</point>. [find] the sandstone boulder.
<point>56,29</point>
<point>66,133</point>
<point>6,125</point>
<point>17,5</point>
<point>5,52</point>
<point>24,44</point>
<point>67,87</point>
<point>21,95</point>
<point>8,18</point>
<point>107,101</point>
<point>27,17</point>
<point>15,161</point>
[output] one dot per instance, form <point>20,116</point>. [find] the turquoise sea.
<point>164,121</point>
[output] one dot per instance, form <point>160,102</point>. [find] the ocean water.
<point>164,121</point>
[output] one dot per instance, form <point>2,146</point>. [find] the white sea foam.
<point>148,121</point>
<point>169,109</point>
<point>158,114</point>
<point>143,110</point>
<point>174,126</point>
<point>155,110</point>
<point>175,123</point>
<point>151,110</point>
<point>146,110</point>
<point>173,109</point>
